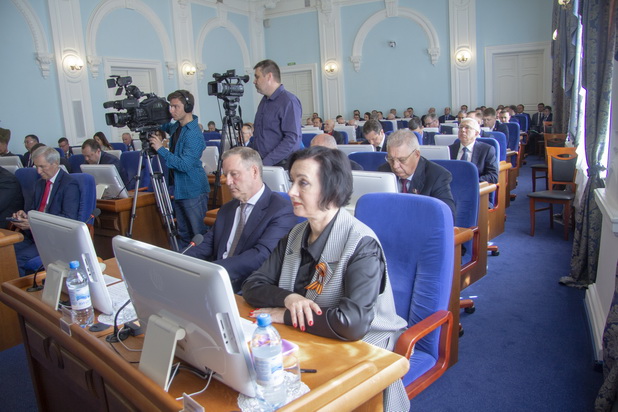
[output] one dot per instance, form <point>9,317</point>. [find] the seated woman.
<point>102,141</point>
<point>328,275</point>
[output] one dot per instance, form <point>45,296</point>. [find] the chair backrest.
<point>465,190</point>
<point>402,124</point>
<point>114,152</point>
<point>445,139</point>
<point>513,142</point>
<point>276,178</point>
<point>60,152</point>
<point>388,125</point>
<point>87,195</point>
<point>351,148</point>
<point>27,177</point>
<point>369,160</point>
<point>494,143</point>
<point>501,139</point>
<point>522,120</point>
<point>76,161</point>
<point>11,161</point>
<point>11,168</point>
<point>130,163</point>
<point>446,128</point>
<point>210,159</point>
<point>554,139</point>
<point>77,150</point>
<point>416,234</point>
<point>211,135</point>
<point>435,152</point>
<point>350,130</point>
<point>419,137</point>
<point>119,146</point>
<point>307,137</point>
<point>345,136</point>
<point>372,182</point>
<point>562,166</point>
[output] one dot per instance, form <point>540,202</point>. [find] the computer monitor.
<point>61,239</point>
<point>193,295</point>
<point>11,161</point>
<point>108,180</point>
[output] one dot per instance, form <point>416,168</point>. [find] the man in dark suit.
<point>489,120</point>
<point>327,140</point>
<point>56,193</point>
<point>537,118</point>
<point>241,247</point>
<point>11,198</point>
<point>446,116</point>
<point>95,156</point>
<point>416,174</point>
<point>479,153</point>
<point>329,128</point>
<point>374,134</point>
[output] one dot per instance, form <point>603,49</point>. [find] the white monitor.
<point>187,294</point>
<point>445,139</point>
<point>61,239</point>
<point>11,168</point>
<point>108,180</point>
<point>371,182</point>
<point>435,152</point>
<point>76,150</point>
<point>210,159</point>
<point>10,161</point>
<point>351,148</point>
<point>276,178</point>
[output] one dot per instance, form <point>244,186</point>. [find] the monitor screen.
<point>61,239</point>
<point>196,296</point>
<point>10,161</point>
<point>108,176</point>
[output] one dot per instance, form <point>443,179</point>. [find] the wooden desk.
<point>10,335</point>
<point>82,371</point>
<point>115,218</point>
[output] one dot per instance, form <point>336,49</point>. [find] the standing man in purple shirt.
<point>277,125</point>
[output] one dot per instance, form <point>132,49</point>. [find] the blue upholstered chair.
<point>420,269</point>
<point>119,146</point>
<point>493,198</point>
<point>386,126</point>
<point>345,136</point>
<point>307,137</point>
<point>513,143</point>
<point>419,137</point>
<point>501,139</point>
<point>130,162</point>
<point>447,128</point>
<point>27,177</point>
<point>522,120</point>
<point>211,136</point>
<point>369,160</point>
<point>60,151</point>
<point>76,161</point>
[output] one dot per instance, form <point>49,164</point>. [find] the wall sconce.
<point>189,69</point>
<point>564,3</point>
<point>554,36</point>
<point>331,67</point>
<point>463,56</point>
<point>74,63</point>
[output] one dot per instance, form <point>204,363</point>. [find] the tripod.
<point>232,129</point>
<point>162,196</point>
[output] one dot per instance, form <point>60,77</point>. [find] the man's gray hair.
<point>403,137</point>
<point>50,154</point>
<point>473,122</point>
<point>249,156</point>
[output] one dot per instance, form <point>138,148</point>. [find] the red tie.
<point>45,196</point>
<point>404,185</point>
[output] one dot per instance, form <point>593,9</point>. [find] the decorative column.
<point>463,53</point>
<point>329,21</point>
<point>69,52</point>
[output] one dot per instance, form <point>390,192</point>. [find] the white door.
<point>301,84</point>
<point>518,78</point>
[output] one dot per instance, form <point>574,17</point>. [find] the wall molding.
<point>105,8</point>
<point>42,55</point>
<point>433,49</point>
<point>314,70</point>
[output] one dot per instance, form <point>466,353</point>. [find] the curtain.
<point>599,39</point>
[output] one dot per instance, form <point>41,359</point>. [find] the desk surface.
<point>350,374</point>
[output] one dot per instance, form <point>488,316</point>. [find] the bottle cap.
<point>74,264</point>
<point>263,320</point>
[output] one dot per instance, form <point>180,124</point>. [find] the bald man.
<point>329,141</point>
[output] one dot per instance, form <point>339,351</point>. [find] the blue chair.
<point>60,152</point>
<point>345,136</point>
<point>369,160</point>
<point>501,139</point>
<point>119,146</point>
<point>212,136</point>
<point>387,126</point>
<point>216,143</point>
<point>307,137</point>
<point>402,124</point>
<point>513,143</point>
<point>429,138</point>
<point>494,143</point>
<point>27,177</point>
<point>523,121</point>
<point>446,129</point>
<point>420,268</point>
<point>419,137</point>
<point>130,162</point>
<point>76,161</point>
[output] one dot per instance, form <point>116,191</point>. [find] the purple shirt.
<point>277,126</point>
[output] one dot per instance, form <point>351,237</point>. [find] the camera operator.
<point>277,128</point>
<point>186,173</point>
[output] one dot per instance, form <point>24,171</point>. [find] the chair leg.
<point>551,215</point>
<point>532,217</point>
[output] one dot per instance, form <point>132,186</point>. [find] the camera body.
<point>139,114</point>
<point>227,86</point>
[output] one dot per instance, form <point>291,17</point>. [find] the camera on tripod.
<point>227,86</point>
<point>141,115</point>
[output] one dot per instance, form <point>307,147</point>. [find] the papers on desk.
<point>119,294</point>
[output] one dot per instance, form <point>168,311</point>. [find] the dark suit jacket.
<point>338,136</point>
<point>64,198</point>
<point>484,157</point>
<point>11,198</point>
<point>271,219</point>
<point>501,127</point>
<point>108,159</point>
<point>430,179</point>
<point>383,146</point>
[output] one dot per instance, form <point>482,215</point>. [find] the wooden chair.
<point>562,169</point>
<point>539,171</point>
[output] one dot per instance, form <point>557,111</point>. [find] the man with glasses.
<point>416,174</point>
<point>468,149</point>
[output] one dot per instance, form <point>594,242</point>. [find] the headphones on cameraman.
<point>188,104</point>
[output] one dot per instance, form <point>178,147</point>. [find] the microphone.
<point>95,213</point>
<point>197,239</point>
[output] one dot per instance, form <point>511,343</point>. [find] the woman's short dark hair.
<point>335,174</point>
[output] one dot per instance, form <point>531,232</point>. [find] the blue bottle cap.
<point>74,264</point>
<point>263,320</point>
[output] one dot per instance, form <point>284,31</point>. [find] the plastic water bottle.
<point>268,362</point>
<point>79,293</point>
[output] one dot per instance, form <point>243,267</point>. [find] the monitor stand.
<point>54,280</point>
<point>159,349</point>
<point>101,188</point>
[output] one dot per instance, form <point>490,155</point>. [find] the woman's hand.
<point>276,314</point>
<point>301,310</point>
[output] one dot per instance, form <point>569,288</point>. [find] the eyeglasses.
<point>401,160</point>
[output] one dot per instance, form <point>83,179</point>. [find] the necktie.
<point>239,228</point>
<point>464,155</point>
<point>404,185</point>
<point>45,196</point>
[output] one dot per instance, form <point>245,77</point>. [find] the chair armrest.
<point>462,235</point>
<point>487,188</point>
<point>409,338</point>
